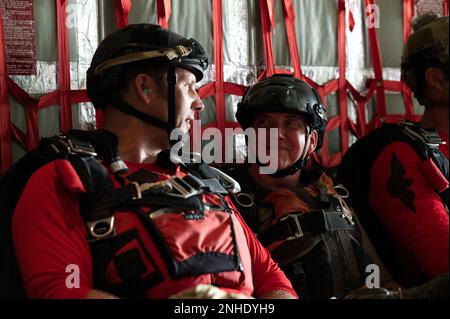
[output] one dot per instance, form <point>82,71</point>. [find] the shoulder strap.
<point>81,154</point>
<point>244,200</point>
<point>215,180</point>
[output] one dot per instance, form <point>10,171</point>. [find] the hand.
<point>391,285</point>
<point>208,292</point>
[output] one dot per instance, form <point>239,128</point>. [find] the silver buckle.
<point>299,232</point>
<point>431,139</point>
<point>170,187</point>
<point>180,185</point>
<point>138,191</point>
<point>76,149</point>
<point>94,231</point>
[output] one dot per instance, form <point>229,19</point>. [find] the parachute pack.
<point>354,174</point>
<point>89,152</point>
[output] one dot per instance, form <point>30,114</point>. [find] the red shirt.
<point>403,194</point>
<point>49,234</point>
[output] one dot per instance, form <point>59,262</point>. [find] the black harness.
<point>98,205</point>
<point>321,250</point>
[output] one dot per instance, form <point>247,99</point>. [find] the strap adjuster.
<point>298,232</point>
<point>79,147</point>
<point>183,188</point>
<point>176,187</point>
<point>430,138</point>
<point>102,228</point>
<point>69,145</point>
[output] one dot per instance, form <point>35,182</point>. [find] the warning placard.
<point>19,35</point>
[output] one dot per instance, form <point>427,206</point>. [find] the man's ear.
<point>435,78</point>
<point>313,139</point>
<point>143,85</point>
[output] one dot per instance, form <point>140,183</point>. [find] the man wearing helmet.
<point>161,229</point>
<point>297,212</point>
<point>403,189</point>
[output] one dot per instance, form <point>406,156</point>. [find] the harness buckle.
<point>184,189</point>
<point>138,191</point>
<point>102,228</point>
<point>430,138</point>
<point>348,218</point>
<point>79,147</point>
<point>299,232</point>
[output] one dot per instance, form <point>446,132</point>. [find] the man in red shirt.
<point>154,249</point>
<point>409,194</point>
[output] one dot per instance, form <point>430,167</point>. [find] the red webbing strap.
<point>234,89</point>
<point>261,75</point>
<point>342,81</point>
<point>164,10</point>
<point>446,7</point>
<point>123,8</point>
<point>20,95</point>
<point>79,96</point>
<point>206,90</point>
<point>218,61</point>
<point>65,107</point>
<point>351,20</point>
<point>289,21</point>
<point>360,128</point>
<point>408,13</point>
<point>330,87</point>
<point>31,113</point>
<point>19,136</point>
<point>395,86</point>
<point>49,99</point>
<point>267,18</point>
<point>5,119</point>
<point>378,71</point>
<point>309,81</point>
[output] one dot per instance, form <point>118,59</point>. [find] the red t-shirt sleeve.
<point>267,276</point>
<point>402,196</point>
<point>49,235</point>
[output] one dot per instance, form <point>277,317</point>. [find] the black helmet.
<point>426,46</point>
<point>285,94</point>
<point>138,42</point>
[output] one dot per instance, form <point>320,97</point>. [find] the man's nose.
<point>197,104</point>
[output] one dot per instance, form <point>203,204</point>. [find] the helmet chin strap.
<point>171,111</point>
<point>171,82</point>
<point>298,165</point>
<point>127,108</point>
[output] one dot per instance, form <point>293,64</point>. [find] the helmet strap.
<point>171,107</point>
<point>126,108</point>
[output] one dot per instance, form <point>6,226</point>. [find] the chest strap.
<point>294,226</point>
